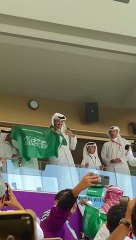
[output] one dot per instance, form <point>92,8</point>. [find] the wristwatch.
<point>125,222</point>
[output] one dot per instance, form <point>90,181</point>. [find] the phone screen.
<point>105,180</point>
<point>16,227</point>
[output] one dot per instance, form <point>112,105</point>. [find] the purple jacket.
<point>55,224</point>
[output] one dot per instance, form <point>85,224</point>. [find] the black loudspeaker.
<point>91,110</point>
<point>133,125</point>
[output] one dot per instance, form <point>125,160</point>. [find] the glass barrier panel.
<point>54,178</point>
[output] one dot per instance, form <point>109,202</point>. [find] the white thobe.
<point>25,177</point>
<point>6,149</point>
<point>64,153</point>
<point>65,159</point>
<point>92,160</point>
<point>131,158</point>
<point>112,150</point>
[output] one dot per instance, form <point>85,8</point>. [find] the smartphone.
<point>17,225</point>
<point>7,195</point>
<point>104,180</point>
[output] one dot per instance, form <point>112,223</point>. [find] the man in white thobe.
<point>64,153</point>
<point>6,149</point>
<point>131,158</point>
<point>115,157</point>
<point>17,173</point>
<point>113,153</point>
<point>66,166</point>
<point>26,174</point>
<point>90,156</point>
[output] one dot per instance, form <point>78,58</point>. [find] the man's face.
<point>113,133</point>
<point>58,123</point>
<point>91,149</point>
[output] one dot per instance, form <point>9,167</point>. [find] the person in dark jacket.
<point>56,224</point>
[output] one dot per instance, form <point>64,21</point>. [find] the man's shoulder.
<point>106,143</point>
<point>125,140</point>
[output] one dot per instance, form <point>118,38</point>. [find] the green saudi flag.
<point>37,142</point>
<point>93,219</point>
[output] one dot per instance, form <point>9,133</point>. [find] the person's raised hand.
<point>69,133</point>
<point>87,181</point>
<point>12,202</point>
<point>131,204</point>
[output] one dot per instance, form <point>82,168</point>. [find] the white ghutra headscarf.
<point>118,141</point>
<point>113,128</point>
<point>85,152</point>
<point>60,116</point>
<point>91,159</point>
